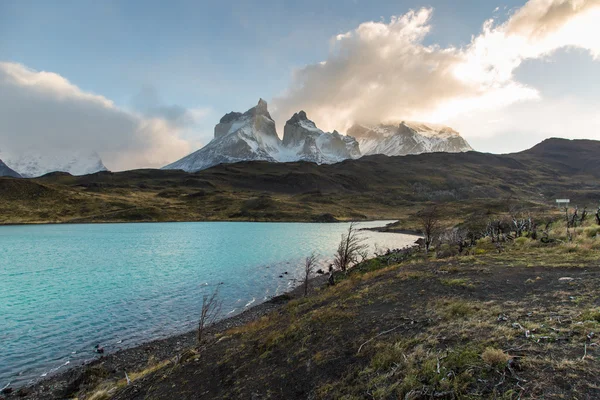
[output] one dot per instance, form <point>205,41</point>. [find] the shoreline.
<point>408,232</point>
<point>138,357</point>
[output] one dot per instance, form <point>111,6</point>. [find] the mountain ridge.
<point>371,187</point>
<point>252,136</point>
<point>36,163</point>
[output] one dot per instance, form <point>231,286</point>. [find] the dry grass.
<point>494,357</point>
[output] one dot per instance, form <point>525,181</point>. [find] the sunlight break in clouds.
<point>45,112</point>
<point>383,71</point>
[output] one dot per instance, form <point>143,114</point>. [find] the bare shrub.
<point>351,250</point>
<point>430,223</point>
<point>309,265</point>
<point>211,308</point>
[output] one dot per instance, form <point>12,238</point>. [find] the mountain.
<point>373,187</point>
<point>304,141</point>
<point>34,163</point>
<point>6,171</point>
<point>238,137</point>
<point>252,136</point>
<point>407,138</point>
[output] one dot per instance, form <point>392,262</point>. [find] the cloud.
<point>150,105</point>
<point>383,71</point>
<point>44,111</point>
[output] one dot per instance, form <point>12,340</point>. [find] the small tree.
<point>309,265</point>
<point>211,308</point>
<point>430,223</point>
<point>351,250</point>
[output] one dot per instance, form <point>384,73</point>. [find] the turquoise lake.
<point>66,288</point>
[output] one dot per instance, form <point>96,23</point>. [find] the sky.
<point>144,82</point>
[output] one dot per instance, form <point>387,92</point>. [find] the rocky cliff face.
<point>407,138</point>
<point>238,137</point>
<point>306,142</point>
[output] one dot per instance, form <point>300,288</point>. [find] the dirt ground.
<point>441,317</point>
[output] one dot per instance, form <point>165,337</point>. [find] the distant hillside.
<point>370,187</point>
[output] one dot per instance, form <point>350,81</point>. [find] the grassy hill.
<point>368,188</point>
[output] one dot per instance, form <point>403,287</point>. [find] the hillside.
<point>370,187</point>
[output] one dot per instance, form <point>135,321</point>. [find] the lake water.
<point>65,288</point>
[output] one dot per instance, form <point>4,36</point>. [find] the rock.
<point>7,390</point>
<point>566,279</point>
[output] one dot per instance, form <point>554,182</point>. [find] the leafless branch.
<point>351,250</point>
<point>211,308</point>
<point>309,265</point>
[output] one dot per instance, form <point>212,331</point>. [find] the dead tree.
<point>351,250</point>
<point>584,214</point>
<point>331,278</point>
<point>572,219</point>
<point>211,309</point>
<point>430,223</point>
<point>309,265</point>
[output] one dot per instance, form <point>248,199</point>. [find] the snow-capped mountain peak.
<point>407,138</point>
<point>33,162</point>
<point>252,136</point>
<point>238,137</point>
<point>305,141</point>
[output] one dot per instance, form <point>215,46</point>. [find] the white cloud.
<point>383,71</point>
<point>43,111</point>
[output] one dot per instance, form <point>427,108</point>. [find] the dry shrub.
<point>494,357</point>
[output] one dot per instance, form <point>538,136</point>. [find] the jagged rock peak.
<point>232,116</point>
<point>232,121</point>
<point>297,117</point>
<point>260,109</point>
